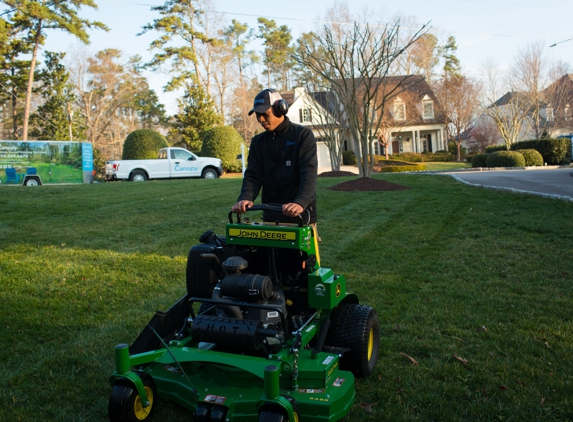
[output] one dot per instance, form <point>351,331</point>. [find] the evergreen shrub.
<point>554,151</point>
<point>505,159</point>
<point>532,157</point>
<point>349,158</point>
<point>479,160</point>
<point>495,148</point>
<point>143,144</point>
<point>223,142</point>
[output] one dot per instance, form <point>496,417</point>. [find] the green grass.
<point>84,267</point>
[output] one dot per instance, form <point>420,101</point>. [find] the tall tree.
<point>459,99</point>
<point>35,17</point>
<point>185,32</point>
<point>196,116</point>
<point>55,118</point>
<point>357,69</point>
<point>238,35</point>
<point>14,74</point>
<point>277,50</point>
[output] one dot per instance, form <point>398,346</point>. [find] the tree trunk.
<point>31,81</point>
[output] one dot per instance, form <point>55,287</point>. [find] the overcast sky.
<point>482,28</point>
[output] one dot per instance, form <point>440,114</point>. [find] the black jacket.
<point>284,164</point>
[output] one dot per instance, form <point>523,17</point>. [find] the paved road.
<point>557,182</point>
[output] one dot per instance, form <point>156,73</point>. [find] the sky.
<point>484,29</point>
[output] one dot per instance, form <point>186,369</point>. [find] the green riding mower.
<point>264,334</point>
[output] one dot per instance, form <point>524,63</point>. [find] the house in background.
<point>412,120</point>
<point>549,116</point>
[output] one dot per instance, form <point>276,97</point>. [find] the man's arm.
<point>308,167</point>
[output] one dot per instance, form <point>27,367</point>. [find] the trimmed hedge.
<point>223,142</point>
<point>349,158</point>
<point>479,160</point>
<point>426,157</point>
<point>553,151</point>
<point>143,144</point>
<point>505,159</point>
<point>532,157</point>
<point>494,148</point>
<point>396,166</point>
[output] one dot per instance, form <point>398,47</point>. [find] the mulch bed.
<point>362,184</point>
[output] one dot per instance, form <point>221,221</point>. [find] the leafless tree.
<point>356,69</point>
<point>512,111</point>
<point>459,97</point>
<point>483,134</point>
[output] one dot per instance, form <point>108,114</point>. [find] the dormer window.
<point>305,115</point>
<point>399,110</point>
<point>428,109</point>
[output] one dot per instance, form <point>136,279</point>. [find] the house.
<point>523,117</point>
<point>412,121</point>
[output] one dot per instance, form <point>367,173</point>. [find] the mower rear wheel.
<point>125,404</point>
<point>355,327</point>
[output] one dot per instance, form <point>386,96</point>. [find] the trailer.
<point>34,163</point>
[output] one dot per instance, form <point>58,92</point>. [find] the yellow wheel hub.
<point>141,412</point>
<point>370,344</point>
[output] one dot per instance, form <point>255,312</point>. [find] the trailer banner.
<point>53,161</point>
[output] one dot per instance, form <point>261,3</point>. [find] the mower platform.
<point>263,334</point>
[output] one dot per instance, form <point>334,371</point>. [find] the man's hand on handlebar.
<point>292,210</point>
<point>241,206</point>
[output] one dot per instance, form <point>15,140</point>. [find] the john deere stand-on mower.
<point>273,337</point>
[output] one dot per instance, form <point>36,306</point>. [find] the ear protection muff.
<point>279,107</point>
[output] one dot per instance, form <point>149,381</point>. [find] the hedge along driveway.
<point>556,182</point>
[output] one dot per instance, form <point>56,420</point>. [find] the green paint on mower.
<point>264,334</point>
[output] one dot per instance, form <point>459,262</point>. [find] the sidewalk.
<point>352,169</point>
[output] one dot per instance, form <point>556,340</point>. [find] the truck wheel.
<point>138,176</point>
<point>125,404</point>
<point>209,174</point>
<point>31,182</point>
<point>355,327</point>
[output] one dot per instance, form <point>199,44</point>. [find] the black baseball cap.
<point>264,100</point>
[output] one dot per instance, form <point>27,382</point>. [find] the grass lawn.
<point>473,285</point>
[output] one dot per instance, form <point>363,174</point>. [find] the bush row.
<point>521,158</point>
<point>553,151</point>
<point>425,157</point>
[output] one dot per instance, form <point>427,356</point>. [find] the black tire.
<point>278,414</point>
<point>32,182</point>
<point>125,404</point>
<point>355,327</point>
<point>138,176</point>
<point>209,173</point>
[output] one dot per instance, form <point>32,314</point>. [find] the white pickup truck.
<point>171,163</point>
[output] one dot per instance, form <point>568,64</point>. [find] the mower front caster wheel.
<point>125,404</point>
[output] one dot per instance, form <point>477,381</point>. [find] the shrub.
<point>402,167</point>
<point>453,149</point>
<point>505,159</point>
<point>349,158</point>
<point>532,157</point>
<point>554,151</point>
<point>143,144</point>
<point>479,160</point>
<point>223,142</point>
<point>495,148</point>
<point>425,157</point>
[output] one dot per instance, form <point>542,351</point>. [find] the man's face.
<point>268,120</point>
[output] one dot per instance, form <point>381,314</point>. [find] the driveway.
<point>553,183</point>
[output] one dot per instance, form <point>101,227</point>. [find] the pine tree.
<point>51,121</point>
<point>34,18</point>
<point>196,117</point>
<point>277,51</point>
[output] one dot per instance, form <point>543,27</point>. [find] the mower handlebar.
<point>269,207</point>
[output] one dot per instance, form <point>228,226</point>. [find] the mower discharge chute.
<point>276,337</point>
